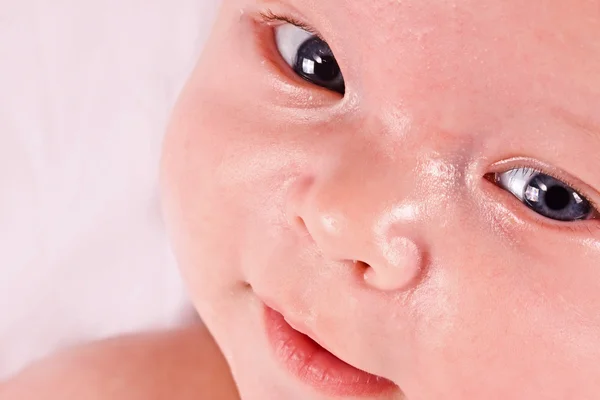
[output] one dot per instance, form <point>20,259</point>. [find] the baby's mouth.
<point>316,366</point>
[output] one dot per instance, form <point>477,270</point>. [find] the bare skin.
<point>383,218</point>
<point>179,365</point>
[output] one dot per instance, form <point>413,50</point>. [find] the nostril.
<point>399,268</point>
<point>299,226</point>
<point>359,268</point>
<point>298,223</point>
<point>296,206</point>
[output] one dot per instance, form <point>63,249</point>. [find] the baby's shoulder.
<point>178,365</point>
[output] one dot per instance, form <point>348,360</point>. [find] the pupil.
<point>316,60</point>
<point>557,198</point>
<point>326,68</point>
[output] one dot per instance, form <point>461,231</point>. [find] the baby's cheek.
<point>225,175</point>
<point>496,316</point>
<point>507,333</point>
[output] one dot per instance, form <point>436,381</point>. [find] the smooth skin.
<point>368,217</point>
<point>273,187</point>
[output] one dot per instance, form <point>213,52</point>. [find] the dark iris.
<point>315,63</point>
<point>554,199</point>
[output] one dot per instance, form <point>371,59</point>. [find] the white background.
<point>86,87</point>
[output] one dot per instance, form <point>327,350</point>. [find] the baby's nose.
<point>354,216</point>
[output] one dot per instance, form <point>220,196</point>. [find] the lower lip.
<point>317,367</point>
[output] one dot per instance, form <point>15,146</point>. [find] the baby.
<point>377,199</point>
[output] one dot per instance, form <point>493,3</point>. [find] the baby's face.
<point>416,193</point>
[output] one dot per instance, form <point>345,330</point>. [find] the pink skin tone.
<point>273,187</point>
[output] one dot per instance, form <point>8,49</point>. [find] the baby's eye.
<point>309,57</point>
<point>545,194</point>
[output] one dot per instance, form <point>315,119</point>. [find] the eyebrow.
<point>578,121</point>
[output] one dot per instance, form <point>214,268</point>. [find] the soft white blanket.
<point>86,87</point>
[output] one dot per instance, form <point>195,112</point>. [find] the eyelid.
<point>269,17</point>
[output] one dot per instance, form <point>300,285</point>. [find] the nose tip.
<point>400,266</point>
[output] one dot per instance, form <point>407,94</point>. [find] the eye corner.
<point>491,177</point>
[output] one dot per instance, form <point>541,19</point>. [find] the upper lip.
<point>294,323</point>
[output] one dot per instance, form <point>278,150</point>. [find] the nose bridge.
<point>344,207</point>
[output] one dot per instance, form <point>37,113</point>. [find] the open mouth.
<point>317,367</point>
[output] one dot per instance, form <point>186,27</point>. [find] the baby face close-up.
<point>394,199</point>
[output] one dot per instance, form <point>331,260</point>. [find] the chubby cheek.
<point>502,318</point>
<point>225,178</point>
<point>228,158</point>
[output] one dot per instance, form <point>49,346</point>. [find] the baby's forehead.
<point>380,15</point>
<point>519,40</point>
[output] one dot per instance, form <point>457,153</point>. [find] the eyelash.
<point>269,17</point>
